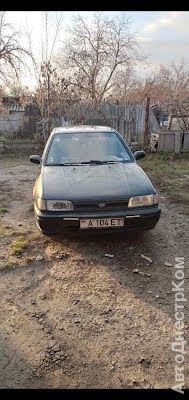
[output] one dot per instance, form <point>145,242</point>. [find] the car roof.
<point>83,128</point>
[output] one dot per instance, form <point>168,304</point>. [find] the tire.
<point>46,233</point>
<point>43,231</point>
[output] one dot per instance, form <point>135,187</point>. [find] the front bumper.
<point>63,223</point>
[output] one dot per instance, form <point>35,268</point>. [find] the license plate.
<point>101,223</point>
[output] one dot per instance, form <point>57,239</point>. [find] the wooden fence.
<point>124,126</point>
<point>175,141</point>
<point>128,119</point>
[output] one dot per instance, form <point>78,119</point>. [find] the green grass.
<point>6,265</point>
<point>34,236</point>
<point>6,230</point>
<point>26,260</point>
<point>22,262</point>
<point>169,173</point>
<point>18,245</point>
<point>21,242</point>
<point>3,210</point>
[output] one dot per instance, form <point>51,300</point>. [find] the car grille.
<point>94,206</point>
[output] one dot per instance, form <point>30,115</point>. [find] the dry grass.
<point>170,173</point>
<point>6,265</point>
<point>18,245</point>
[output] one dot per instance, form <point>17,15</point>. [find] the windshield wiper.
<point>59,164</point>
<point>69,163</point>
<point>90,162</point>
<point>99,162</point>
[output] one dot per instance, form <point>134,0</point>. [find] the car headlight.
<point>59,205</point>
<point>139,201</point>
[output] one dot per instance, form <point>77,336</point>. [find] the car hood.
<point>91,182</point>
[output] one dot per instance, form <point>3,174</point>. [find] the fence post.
<point>177,142</point>
<point>146,124</point>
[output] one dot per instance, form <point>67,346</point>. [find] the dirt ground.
<point>80,319</point>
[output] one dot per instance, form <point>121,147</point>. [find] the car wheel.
<point>46,233</point>
<point>43,231</point>
<point>150,229</point>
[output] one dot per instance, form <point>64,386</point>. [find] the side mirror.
<point>35,159</point>
<point>139,154</point>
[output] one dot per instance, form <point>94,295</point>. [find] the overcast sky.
<point>164,35</point>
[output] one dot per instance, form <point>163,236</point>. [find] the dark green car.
<point>89,180</point>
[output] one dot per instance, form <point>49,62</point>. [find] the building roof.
<point>12,103</point>
<point>16,107</point>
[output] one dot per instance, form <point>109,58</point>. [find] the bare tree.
<point>173,91</point>
<point>3,109</point>
<point>12,54</point>
<point>46,72</point>
<point>124,86</point>
<point>12,58</point>
<point>43,68</point>
<point>61,94</point>
<point>128,88</point>
<point>95,51</point>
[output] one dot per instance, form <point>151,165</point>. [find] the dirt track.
<point>78,319</point>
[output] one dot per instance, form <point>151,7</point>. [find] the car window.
<point>85,146</point>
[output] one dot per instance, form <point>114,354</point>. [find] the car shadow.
<point>135,260</point>
<point>18,372</point>
<point>15,371</point>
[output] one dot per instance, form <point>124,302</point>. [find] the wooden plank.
<point>186,142</point>
<point>177,142</point>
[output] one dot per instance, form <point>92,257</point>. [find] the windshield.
<point>88,147</point>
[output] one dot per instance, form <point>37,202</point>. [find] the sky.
<point>163,35</point>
